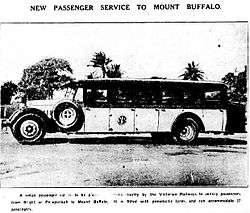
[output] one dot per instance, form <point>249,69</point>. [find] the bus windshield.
<point>69,93</point>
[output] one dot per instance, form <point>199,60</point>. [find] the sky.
<point>142,50</point>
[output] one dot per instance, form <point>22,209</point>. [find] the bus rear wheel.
<point>186,131</point>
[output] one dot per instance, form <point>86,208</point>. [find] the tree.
<point>114,71</point>
<point>237,85</point>
<point>100,60</point>
<point>193,72</point>
<point>8,89</point>
<point>41,79</point>
<point>108,70</point>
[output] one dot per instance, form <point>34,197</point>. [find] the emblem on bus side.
<point>122,120</point>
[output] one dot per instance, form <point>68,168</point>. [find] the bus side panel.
<point>167,117</point>
<point>146,120</point>
<point>96,120</point>
<point>47,109</point>
<point>121,120</point>
<point>214,120</point>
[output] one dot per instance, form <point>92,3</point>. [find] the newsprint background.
<point>147,41</point>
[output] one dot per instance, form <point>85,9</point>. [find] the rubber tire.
<point>79,116</point>
<point>185,123</point>
<point>18,135</point>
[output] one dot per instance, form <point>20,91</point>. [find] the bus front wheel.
<point>185,131</point>
<point>29,129</point>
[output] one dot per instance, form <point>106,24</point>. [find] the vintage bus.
<point>121,106</point>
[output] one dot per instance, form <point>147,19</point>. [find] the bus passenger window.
<point>172,98</point>
<point>101,96</point>
<point>95,97</point>
<point>150,97</point>
<point>123,97</point>
<point>193,99</point>
<point>90,97</point>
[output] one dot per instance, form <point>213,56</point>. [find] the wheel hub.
<point>187,133</point>
<point>67,116</point>
<point>29,128</point>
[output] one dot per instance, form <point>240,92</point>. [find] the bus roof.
<point>130,81</point>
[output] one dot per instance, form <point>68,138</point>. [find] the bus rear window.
<point>213,96</point>
<point>214,99</point>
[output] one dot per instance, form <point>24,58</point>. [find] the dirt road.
<point>122,161</point>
